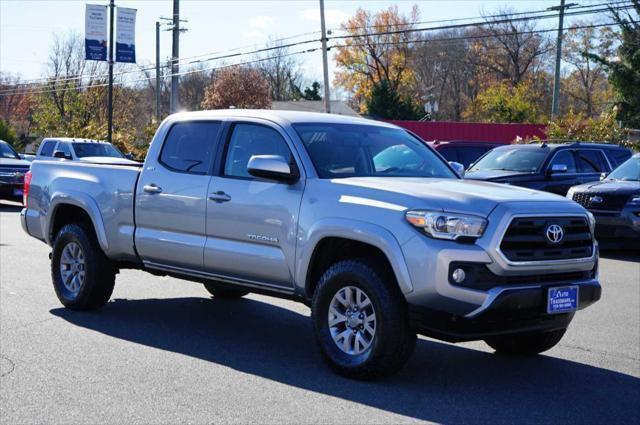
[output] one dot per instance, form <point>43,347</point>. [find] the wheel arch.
<point>67,208</point>
<point>331,240</point>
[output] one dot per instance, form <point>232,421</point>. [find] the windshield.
<point>628,170</point>
<point>6,151</point>
<point>355,150</point>
<point>96,149</point>
<point>522,160</point>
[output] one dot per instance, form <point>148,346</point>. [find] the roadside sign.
<point>126,35</point>
<point>95,27</point>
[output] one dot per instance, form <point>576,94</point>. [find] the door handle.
<point>219,197</point>
<point>152,188</point>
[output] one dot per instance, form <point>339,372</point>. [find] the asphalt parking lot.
<point>163,351</point>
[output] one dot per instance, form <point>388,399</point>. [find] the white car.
<point>77,149</point>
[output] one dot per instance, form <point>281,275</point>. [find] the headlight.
<point>592,222</point>
<point>634,200</point>
<point>570,193</point>
<point>443,225</point>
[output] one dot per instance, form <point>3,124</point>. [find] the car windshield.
<point>359,150</point>
<point>96,149</point>
<point>521,160</point>
<point>628,170</point>
<point>6,151</point>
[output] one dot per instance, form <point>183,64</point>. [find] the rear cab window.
<point>47,148</point>
<point>189,146</point>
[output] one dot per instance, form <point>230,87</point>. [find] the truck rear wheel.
<point>220,290</point>
<point>360,321</point>
<point>526,345</point>
<point>83,277</point>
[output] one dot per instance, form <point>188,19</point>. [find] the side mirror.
<point>558,168</point>
<point>60,154</point>
<point>272,167</point>
<point>603,176</point>
<point>457,167</point>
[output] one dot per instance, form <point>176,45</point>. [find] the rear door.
<point>252,222</point>
<point>171,199</point>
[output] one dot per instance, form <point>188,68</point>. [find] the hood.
<point>14,163</point>
<point>617,187</point>
<point>493,174</point>
<point>109,160</point>
<point>473,197</point>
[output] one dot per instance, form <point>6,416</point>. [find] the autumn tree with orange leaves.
<point>377,52</point>
<point>238,87</point>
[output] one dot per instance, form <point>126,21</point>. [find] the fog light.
<point>458,275</point>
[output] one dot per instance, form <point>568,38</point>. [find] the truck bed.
<point>107,190</point>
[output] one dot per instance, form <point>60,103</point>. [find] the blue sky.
<point>27,27</point>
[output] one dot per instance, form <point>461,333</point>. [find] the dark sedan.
<point>615,202</point>
<point>12,171</point>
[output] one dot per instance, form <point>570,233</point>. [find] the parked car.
<point>615,202</point>
<point>12,171</point>
<point>77,149</point>
<point>358,219</point>
<point>463,152</point>
<point>550,167</point>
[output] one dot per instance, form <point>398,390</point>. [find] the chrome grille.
<point>601,201</point>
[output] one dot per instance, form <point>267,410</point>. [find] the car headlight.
<point>570,193</point>
<point>444,225</point>
<point>592,222</point>
<point>634,200</point>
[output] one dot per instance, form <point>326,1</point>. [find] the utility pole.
<point>556,80</point>
<point>110,90</point>
<point>158,71</point>
<point>325,64</point>
<point>175,54</point>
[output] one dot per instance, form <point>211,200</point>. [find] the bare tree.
<point>282,72</point>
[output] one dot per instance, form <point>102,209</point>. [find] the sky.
<point>27,27</point>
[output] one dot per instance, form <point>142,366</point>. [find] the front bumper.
<point>508,311</point>
<point>11,190</point>
<point>619,225</point>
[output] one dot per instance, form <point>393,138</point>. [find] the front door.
<point>252,222</point>
<point>171,198</point>
<point>560,182</point>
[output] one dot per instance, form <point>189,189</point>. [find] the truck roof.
<point>280,117</point>
<point>73,140</point>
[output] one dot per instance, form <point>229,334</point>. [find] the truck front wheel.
<point>83,277</point>
<point>526,345</point>
<point>360,321</point>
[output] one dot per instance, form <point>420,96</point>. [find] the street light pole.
<point>555,105</point>
<point>157,71</point>
<point>325,64</point>
<point>110,89</point>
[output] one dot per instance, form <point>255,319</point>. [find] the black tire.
<point>100,273</point>
<point>526,345</point>
<point>220,290</point>
<point>393,342</point>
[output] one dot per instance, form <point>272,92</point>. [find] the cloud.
<point>333,17</point>
<point>260,22</point>
<point>253,34</point>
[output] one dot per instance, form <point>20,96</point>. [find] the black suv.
<point>615,202</point>
<point>552,167</point>
<point>12,171</point>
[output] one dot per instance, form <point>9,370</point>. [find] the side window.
<point>565,157</point>
<point>591,161</point>
<point>64,147</point>
<point>248,140</point>
<point>618,156</point>
<point>469,154</point>
<point>47,148</point>
<point>449,153</point>
<point>189,147</point>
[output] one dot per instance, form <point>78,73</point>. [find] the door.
<point>252,222</point>
<point>591,164</point>
<point>559,182</point>
<point>171,198</point>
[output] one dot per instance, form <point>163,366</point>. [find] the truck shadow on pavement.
<point>442,382</point>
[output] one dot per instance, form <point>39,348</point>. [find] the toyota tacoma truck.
<point>360,220</point>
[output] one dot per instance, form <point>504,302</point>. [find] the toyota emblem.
<point>554,233</point>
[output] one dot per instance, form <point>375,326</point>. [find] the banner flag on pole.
<point>95,32</point>
<point>126,35</point>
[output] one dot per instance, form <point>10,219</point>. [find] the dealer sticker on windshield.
<point>562,300</point>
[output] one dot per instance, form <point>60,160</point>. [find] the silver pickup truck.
<point>358,219</point>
